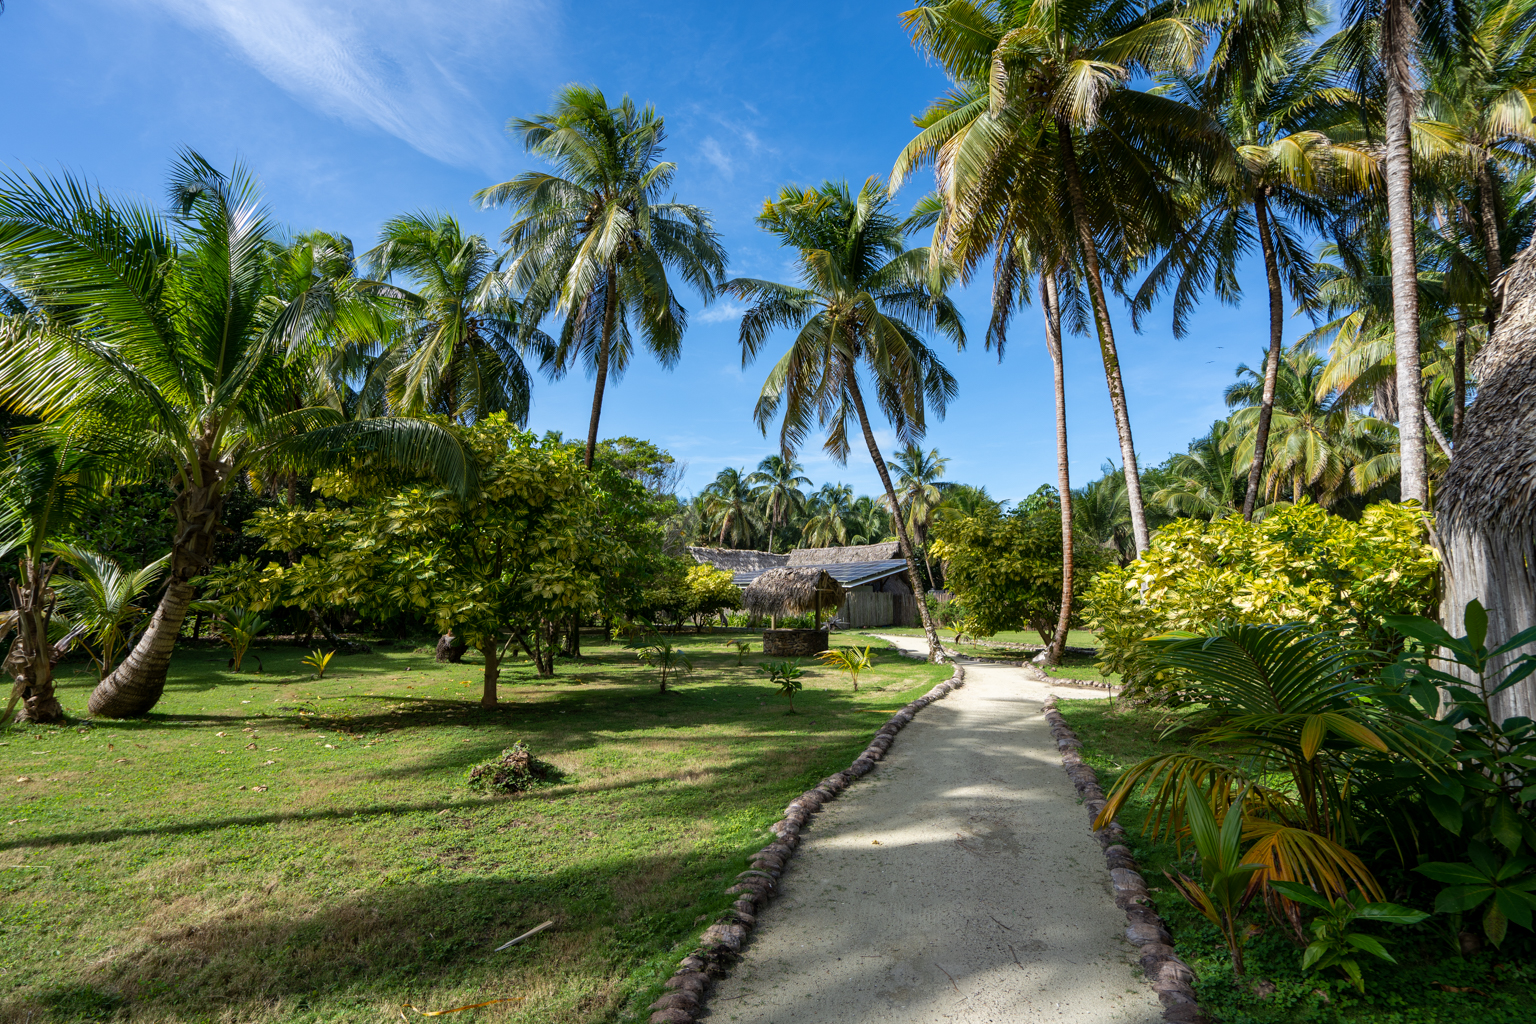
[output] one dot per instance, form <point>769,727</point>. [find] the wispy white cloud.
<point>720,312</point>
<point>409,67</point>
<point>711,151</point>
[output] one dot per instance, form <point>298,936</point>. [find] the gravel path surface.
<point>957,882</point>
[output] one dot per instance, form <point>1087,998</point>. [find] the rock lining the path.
<point>687,988</point>
<point>1171,977</point>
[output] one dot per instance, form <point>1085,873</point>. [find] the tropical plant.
<point>163,352</point>
<point>828,512</point>
<point>1225,887</point>
<point>709,590</point>
<point>777,484</point>
<point>1300,564</point>
<point>920,493</point>
<point>1335,942</point>
<point>1203,481</point>
<point>237,626</point>
<point>1506,884</point>
<point>1280,738</point>
<point>318,660</point>
<point>863,303</point>
<point>457,354</point>
<point>743,648</point>
<point>594,242</point>
<point>852,660</point>
<point>657,651</point>
<point>102,598</point>
<point>786,676</point>
<point>728,502</point>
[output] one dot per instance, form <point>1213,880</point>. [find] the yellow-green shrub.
<point>1301,564</point>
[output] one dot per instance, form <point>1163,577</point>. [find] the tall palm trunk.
<point>30,660</point>
<point>1397,32</point>
<point>1272,363</point>
<point>1491,249</point>
<point>1459,379</point>
<point>1052,310</point>
<point>135,686</point>
<point>935,648</point>
<point>492,672</point>
<point>610,303</point>
<point>1107,348</point>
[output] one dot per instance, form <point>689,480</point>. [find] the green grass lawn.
<point>1073,666</point>
<point>1432,983</point>
<point>265,847</point>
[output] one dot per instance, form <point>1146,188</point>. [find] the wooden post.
<point>818,605</point>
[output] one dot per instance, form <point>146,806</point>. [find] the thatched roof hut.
<point>1485,507</point>
<point>845,554</point>
<point>734,560</point>
<point>787,591</point>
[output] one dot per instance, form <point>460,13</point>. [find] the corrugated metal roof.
<point>849,574</point>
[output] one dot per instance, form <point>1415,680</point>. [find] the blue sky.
<point>351,113</point>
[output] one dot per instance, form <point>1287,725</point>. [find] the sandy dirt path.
<point>956,882</point>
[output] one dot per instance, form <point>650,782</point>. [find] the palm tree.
<point>1317,440</point>
<point>829,511</point>
<point>730,503</point>
<point>1271,93</point>
<point>595,243</point>
<point>869,521</point>
<point>163,354</point>
<point>863,303</point>
<point>1059,71</point>
<point>457,356</point>
<point>778,494</point>
<point>920,493</point>
<point>1204,479</point>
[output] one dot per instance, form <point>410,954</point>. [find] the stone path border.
<point>685,996</point>
<point>1170,976</point>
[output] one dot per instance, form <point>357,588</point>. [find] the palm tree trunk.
<point>31,658</point>
<point>1052,310</point>
<point>1107,348</point>
<point>1436,432</point>
<point>1397,32</point>
<point>935,648</point>
<point>1272,363</point>
<point>610,303</point>
<point>135,686</point>
<point>1459,379</point>
<point>492,672</point>
<point>1492,250</point>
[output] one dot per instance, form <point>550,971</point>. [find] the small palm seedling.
<point>657,651</point>
<point>1335,942</point>
<point>852,660</point>
<point>318,660</point>
<point>786,676</point>
<point>237,627</point>
<point>743,648</point>
<point>1223,890</point>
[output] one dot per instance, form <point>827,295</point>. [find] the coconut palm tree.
<point>1059,73</point>
<point>163,354</point>
<point>777,484</point>
<point>1204,480</point>
<point>595,242</point>
<point>868,521</point>
<point>103,599</point>
<point>731,507</point>
<point>863,304</point>
<point>456,354</point>
<point>920,493</point>
<point>1273,95</point>
<point>829,511</point>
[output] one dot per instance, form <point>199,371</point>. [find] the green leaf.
<point>1370,945</point>
<point>1313,954</point>
<point>1495,924</point>
<point>1515,906</point>
<point>1506,826</point>
<point>1446,811</point>
<point>1298,893</point>
<point>1460,898</point>
<point>1476,619</point>
<point>1390,913</point>
<point>1453,874</point>
<point>1312,733</point>
<point>1425,630</point>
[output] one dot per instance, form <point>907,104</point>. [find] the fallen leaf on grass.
<point>456,1009</point>
<point>250,746</point>
<point>221,734</point>
<point>121,760</point>
<point>260,789</point>
<point>22,778</point>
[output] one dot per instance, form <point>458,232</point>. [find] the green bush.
<point>514,771</point>
<point>1301,564</point>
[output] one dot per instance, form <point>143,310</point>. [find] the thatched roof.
<point>1491,484</point>
<point>848,553</point>
<point>734,561</point>
<point>787,591</point>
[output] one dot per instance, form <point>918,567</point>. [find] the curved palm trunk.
<point>1491,248</point>
<point>610,302</point>
<point>1106,336</point>
<point>1272,364</point>
<point>135,686</point>
<point>935,648</point>
<point>1052,310</point>
<point>1459,379</point>
<point>30,661</point>
<point>1397,31</point>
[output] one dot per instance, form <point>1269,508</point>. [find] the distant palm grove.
<point>1378,169</point>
